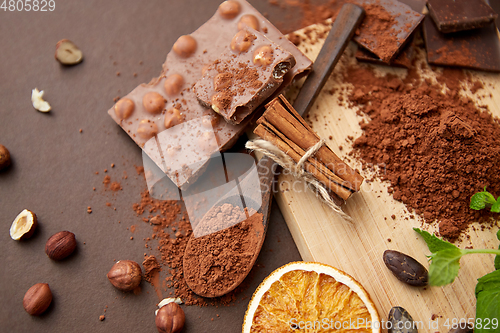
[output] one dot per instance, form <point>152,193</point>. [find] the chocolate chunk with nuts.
<point>406,269</point>
<point>244,76</point>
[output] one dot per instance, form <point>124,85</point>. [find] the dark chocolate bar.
<point>458,15</point>
<point>476,49</point>
<point>245,75</point>
<point>169,100</point>
<point>387,27</point>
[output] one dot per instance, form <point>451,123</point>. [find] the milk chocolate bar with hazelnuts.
<point>151,110</point>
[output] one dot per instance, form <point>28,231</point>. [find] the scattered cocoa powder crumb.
<point>102,317</point>
<point>115,186</point>
<point>112,165</point>
<point>107,180</point>
<point>89,209</point>
<point>80,130</point>
<point>139,170</point>
<point>151,268</point>
<point>436,149</point>
<point>116,99</point>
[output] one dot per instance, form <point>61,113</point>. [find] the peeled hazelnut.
<point>37,299</point>
<point>4,158</point>
<point>242,41</point>
<point>173,117</point>
<point>124,108</point>
<point>170,318</point>
<point>125,275</point>
<point>185,46</point>
<point>229,9</point>
<point>24,225</point>
<point>147,129</point>
<point>67,53</point>
<point>173,84</point>
<point>263,56</point>
<point>153,102</point>
<point>248,20</point>
<point>60,245</point>
<point>38,102</point>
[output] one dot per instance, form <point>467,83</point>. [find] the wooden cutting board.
<point>357,248</point>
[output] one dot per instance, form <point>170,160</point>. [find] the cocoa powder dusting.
<point>435,148</point>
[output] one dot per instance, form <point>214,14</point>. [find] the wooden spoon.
<point>347,21</point>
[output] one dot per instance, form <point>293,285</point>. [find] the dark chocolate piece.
<point>476,49</point>
<point>387,27</point>
<point>244,76</point>
<point>145,116</point>
<point>405,57</point>
<point>459,15</point>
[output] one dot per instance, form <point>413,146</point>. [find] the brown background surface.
<point>54,165</point>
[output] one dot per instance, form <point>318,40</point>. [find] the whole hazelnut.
<point>170,318</point>
<point>37,299</point>
<point>185,46</point>
<point>125,275</point>
<point>60,245</point>
<point>124,108</point>
<point>229,9</point>
<point>4,158</point>
<point>248,20</point>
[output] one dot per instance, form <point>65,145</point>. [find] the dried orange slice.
<point>310,297</point>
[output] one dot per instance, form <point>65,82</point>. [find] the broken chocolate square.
<point>245,75</point>
<point>387,27</point>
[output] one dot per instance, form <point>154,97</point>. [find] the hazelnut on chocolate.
<point>124,108</point>
<point>242,41</point>
<point>263,56</point>
<point>229,9</point>
<point>250,21</point>
<point>147,129</point>
<point>153,102</point>
<point>173,117</point>
<point>185,46</point>
<point>222,81</point>
<point>173,84</point>
<point>220,101</point>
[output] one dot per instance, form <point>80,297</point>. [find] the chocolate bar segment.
<point>245,75</point>
<point>458,15</point>
<point>476,49</point>
<point>170,101</point>
<point>387,27</point>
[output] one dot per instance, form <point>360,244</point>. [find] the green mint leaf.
<point>444,266</point>
<point>495,208</point>
<point>481,200</point>
<point>488,299</point>
<point>497,257</point>
<point>435,244</point>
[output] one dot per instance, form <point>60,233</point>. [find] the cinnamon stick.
<point>285,128</point>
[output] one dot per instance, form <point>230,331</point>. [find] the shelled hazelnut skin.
<point>60,245</point>
<point>125,275</point>
<point>4,158</point>
<point>170,318</point>
<point>37,299</point>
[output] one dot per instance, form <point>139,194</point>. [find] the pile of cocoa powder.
<point>435,148</point>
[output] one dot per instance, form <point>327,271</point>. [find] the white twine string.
<point>297,169</point>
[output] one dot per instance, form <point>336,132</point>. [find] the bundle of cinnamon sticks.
<point>282,126</point>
